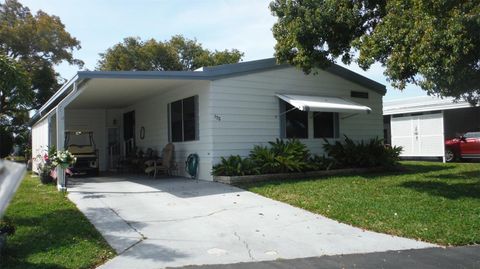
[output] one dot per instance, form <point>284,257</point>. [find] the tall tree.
<point>30,47</point>
<point>178,53</point>
<point>433,44</point>
<point>15,97</point>
<point>37,42</point>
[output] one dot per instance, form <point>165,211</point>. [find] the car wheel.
<point>449,155</point>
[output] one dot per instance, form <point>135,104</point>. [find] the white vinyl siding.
<point>245,109</point>
<point>152,114</point>
<point>39,142</point>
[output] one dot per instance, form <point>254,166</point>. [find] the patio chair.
<point>166,164</point>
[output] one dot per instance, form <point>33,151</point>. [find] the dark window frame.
<point>180,105</point>
<point>287,110</point>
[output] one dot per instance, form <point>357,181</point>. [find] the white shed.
<point>422,124</point>
<point>214,112</point>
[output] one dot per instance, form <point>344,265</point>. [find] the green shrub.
<point>281,157</point>
<point>234,166</point>
<point>264,159</point>
<point>318,163</point>
<point>362,154</point>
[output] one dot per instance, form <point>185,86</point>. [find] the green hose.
<point>191,165</point>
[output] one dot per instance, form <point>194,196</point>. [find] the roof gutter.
<point>53,101</point>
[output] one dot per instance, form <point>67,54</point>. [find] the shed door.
<point>420,136</point>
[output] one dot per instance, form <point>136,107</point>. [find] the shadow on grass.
<point>404,169</point>
<point>469,175</point>
<point>450,191</point>
<point>8,262</point>
<point>56,232</point>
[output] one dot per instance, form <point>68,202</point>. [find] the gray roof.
<point>422,104</point>
<point>206,73</point>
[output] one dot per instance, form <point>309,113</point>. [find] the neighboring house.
<point>422,124</point>
<point>214,111</point>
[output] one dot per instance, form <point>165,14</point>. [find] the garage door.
<point>420,135</point>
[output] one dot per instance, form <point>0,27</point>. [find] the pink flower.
<point>45,157</point>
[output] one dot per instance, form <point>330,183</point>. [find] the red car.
<point>465,146</point>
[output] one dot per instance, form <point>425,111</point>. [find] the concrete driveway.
<point>175,222</point>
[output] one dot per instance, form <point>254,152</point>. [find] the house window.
<point>325,125</point>
<point>294,122</point>
<point>184,120</point>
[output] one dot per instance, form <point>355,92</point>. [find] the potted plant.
<point>63,158</point>
<point>45,167</point>
<point>44,172</point>
<point>6,228</point>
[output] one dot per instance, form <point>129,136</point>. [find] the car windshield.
<point>472,135</point>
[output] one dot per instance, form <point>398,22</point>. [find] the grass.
<point>434,202</point>
<point>51,232</point>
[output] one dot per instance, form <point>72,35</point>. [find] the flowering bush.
<point>63,158</point>
<point>45,166</point>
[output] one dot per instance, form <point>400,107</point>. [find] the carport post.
<point>61,185</point>
<point>61,182</point>
<point>443,137</point>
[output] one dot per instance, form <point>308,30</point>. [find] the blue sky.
<point>217,24</point>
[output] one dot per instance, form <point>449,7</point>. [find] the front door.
<point>129,132</point>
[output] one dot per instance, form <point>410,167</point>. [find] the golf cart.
<point>82,146</point>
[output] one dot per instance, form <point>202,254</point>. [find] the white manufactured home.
<point>422,124</point>
<point>214,112</point>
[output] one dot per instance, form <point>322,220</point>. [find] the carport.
<point>422,124</point>
<point>99,102</point>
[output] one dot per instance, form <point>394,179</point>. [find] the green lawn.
<point>434,202</point>
<point>51,232</point>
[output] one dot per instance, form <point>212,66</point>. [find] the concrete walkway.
<point>176,222</point>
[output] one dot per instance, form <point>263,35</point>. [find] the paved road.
<point>430,258</point>
<point>178,222</point>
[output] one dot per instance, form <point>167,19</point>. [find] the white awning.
<point>323,104</point>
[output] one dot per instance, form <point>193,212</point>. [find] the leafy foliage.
<point>280,157</point>
<point>284,156</point>
<point>319,163</point>
<point>15,97</point>
<point>434,44</point>
<point>362,154</point>
<point>15,94</point>
<point>30,46</point>
<point>234,166</point>
<point>289,156</point>
<point>37,42</point>
<point>264,159</point>
<point>178,53</point>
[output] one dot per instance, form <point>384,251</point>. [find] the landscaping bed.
<point>234,180</point>
<point>434,202</point>
<point>50,231</point>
